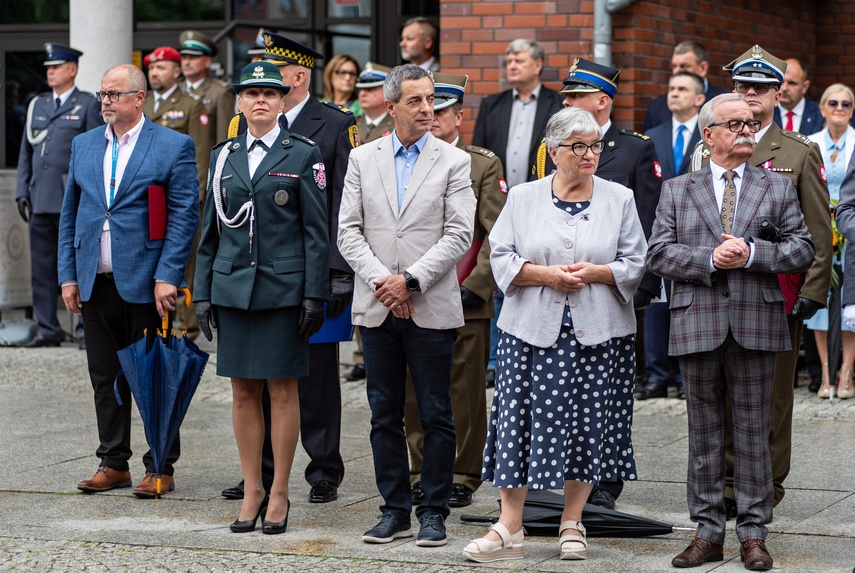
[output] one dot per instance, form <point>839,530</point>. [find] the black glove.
<point>341,292</point>
<point>24,208</point>
<point>805,308</point>
<point>311,317</point>
<point>641,299</point>
<point>469,298</point>
<point>207,320</point>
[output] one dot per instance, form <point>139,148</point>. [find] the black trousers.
<point>112,324</point>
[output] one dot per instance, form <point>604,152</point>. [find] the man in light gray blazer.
<point>728,320</point>
<point>407,216</point>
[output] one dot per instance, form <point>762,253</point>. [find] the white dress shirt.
<point>798,114</point>
<point>256,154</point>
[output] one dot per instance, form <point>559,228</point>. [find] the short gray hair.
<point>398,75</point>
<point>570,121</point>
<point>534,49</point>
<point>708,112</point>
<point>135,78</point>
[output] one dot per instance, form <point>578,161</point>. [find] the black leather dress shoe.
<point>461,496</point>
<point>602,498</point>
<point>358,373</point>
<point>235,492</point>
<point>39,341</point>
<point>418,493</point>
<point>323,492</point>
<point>652,391</point>
<point>729,509</point>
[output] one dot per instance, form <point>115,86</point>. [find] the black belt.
<point>106,275</point>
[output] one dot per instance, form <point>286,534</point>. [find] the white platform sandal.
<point>574,544</point>
<point>484,550</point>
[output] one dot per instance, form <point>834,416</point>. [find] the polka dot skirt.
<point>563,412</point>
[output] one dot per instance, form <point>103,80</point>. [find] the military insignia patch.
<point>203,119</point>
<point>657,169</point>
<point>822,174</point>
<point>320,175</point>
<point>353,135</point>
<point>503,186</point>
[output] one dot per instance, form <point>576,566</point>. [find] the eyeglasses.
<point>735,125</point>
<point>580,149</point>
<point>345,73</point>
<point>112,96</point>
<point>833,103</point>
<point>759,89</point>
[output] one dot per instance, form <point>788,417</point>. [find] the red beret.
<point>163,53</point>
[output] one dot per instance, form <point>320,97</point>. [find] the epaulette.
<point>340,108</point>
<point>222,84</point>
<point>302,138</point>
<point>481,150</point>
<point>635,133</point>
<point>797,136</point>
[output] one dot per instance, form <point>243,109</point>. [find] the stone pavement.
<point>48,437</point>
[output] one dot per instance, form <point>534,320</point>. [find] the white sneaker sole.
<point>431,542</point>
<point>397,535</point>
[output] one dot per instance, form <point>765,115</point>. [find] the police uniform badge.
<point>353,135</point>
<point>320,175</point>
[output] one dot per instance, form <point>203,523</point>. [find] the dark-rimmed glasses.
<point>735,125</point>
<point>579,148</point>
<point>345,73</point>
<point>759,89</point>
<point>112,96</point>
<point>833,103</point>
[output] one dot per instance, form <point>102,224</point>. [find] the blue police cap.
<point>588,77</point>
<point>59,54</point>
<point>372,76</point>
<point>258,47</point>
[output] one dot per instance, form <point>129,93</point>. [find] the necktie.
<point>283,122</point>
<point>679,145</point>
<point>157,100</point>
<point>259,143</point>
<point>728,203</point>
<point>835,153</point>
<point>789,126</point>
<point>56,103</point>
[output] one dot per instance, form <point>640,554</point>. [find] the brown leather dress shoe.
<point>698,552</point>
<point>755,556</point>
<point>105,479</point>
<point>147,488</point>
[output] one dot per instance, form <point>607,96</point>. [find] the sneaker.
<point>388,529</point>
<point>461,496</point>
<point>432,532</point>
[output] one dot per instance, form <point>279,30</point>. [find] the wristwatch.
<point>412,282</point>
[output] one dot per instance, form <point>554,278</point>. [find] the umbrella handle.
<point>164,326</point>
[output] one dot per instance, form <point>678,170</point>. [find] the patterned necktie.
<point>728,203</point>
<point>679,148</point>
<point>56,103</point>
<point>789,126</point>
<point>835,153</point>
<point>283,122</point>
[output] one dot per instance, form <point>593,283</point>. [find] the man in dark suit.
<point>335,132</point>
<point>112,268</point>
<point>728,321</point>
<point>53,120</point>
<point>674,143</point>
<point>794,111</point>
<point>689,56</point>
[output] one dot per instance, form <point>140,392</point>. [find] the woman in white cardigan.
<point>568,251</point>
<point>836,142</point>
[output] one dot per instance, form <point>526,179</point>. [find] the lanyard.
<point>113,169</point>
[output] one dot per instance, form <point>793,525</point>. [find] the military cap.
<point>197,44</point>
<point>757,66</point>
<point>162,54</point>
<point>448,89</point>
<point>280,50</point>
<point>260,75</point>
<point>60,54</point>
<point>589,77</point>
<point>258,47</point>
<point>372,75</point>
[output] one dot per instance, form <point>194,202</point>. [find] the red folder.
<point>468,262</point>
<point>791,285</point>
<point>156,212</point>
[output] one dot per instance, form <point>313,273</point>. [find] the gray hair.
<point>701,54</point>
<point>134,76</point>
<point>570,121</point>
<point>708,112</point>
<point>534,49</point>
<point>400,74</point>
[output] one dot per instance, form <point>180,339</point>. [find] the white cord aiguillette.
<point>246,211</point>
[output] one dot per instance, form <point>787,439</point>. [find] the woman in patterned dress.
<point>568,251</point>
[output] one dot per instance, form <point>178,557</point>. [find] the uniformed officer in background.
<point>257,50</point>
<point>197,49</point>
<point>334,130</point>
<point>167,105</point>
<point>472,345</point>
<point>53,120</point>
<point>757,77</point>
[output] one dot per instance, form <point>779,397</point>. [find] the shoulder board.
<point>299,137</point>
<point>796,136</point>
<point>340,108</point>
<point>481,150</point>
<point>635,133</point>
<point>221,83</point>
<point>223,142</point>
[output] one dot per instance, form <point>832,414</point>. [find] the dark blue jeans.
<point>389,350</point>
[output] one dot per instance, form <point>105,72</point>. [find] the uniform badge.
<point>281,197</point>
<point>320,175</point>
<point>657,169</point>
<point>353,135</point>
<point>822,174</point>
<point>503,186</point>
<point>207,101</point>
<point>203,119</point>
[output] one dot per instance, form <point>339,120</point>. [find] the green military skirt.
<point>261,344</point>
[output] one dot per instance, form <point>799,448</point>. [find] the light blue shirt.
<point>835,170</point>
<point>405,162</point>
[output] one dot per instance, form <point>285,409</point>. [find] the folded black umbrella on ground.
<point>542,516</point>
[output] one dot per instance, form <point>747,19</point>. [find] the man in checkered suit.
<point>728,320</point>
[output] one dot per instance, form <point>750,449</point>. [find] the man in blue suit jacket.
<point>806,117</point>
<point>115,266</point>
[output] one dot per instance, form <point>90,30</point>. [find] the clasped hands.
<point>392,291</point>
<point>733,253</point>
<point>568,278</point>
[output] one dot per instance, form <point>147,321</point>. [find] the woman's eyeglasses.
<point>833,103</point>
<point>579,148</point>
<point>345,74</point>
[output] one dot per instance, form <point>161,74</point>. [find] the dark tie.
<point>679,147</point>
<point>283,122</point>
<point>728,203</point>
<point>259,143</point>
<point>56,103</point>
<point>369,127</point>
<point>789,126</point>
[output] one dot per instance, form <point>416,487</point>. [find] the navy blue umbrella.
<point>163,375</point>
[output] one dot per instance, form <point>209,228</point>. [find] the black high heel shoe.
<point>271,528</point>
<point>248,525</point>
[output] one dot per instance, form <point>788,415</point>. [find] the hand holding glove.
<point>24,208</point>
<point>207,320</point>
<point>804,308</point>
<point>641,299</point>
<point>469,298</point>
<point>311,317</point>
<point>341,292</point>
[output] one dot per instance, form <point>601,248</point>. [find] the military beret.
<point>162,54</point>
